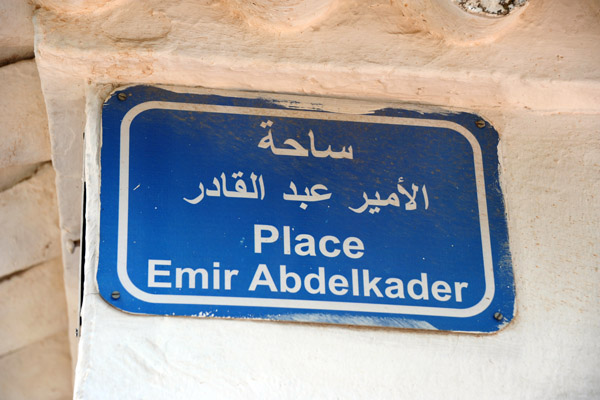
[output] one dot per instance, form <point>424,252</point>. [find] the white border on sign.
<point>290,303</point>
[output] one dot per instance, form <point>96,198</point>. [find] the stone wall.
<point>35,359</point>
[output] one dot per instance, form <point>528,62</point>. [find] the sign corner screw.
<point>115,295</point>
<point>122,96</point>
<point>480,123</point>
<point>498,316</point>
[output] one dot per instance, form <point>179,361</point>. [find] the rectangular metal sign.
<point>301,209</point>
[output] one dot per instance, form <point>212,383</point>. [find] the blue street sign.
<point>280,208</point>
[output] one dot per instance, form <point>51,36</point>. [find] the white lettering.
<point>443,288</point>
<point>458,287</point>
<point>262,270</point>
<point>191,277</point>
<point>259,239</point>
<point>369,285</point>
<point>323,246</point>
<point>423,284</point>
<point>320,277</point>
<point>283,278</point>
<point>305,244</point>
<point>191,273</point>
<point>153,273</point>
<point>355,290</point>
<point>395,290</point>
<point>306,248</point>
<point>336,282</point>
<point>216,275</point>
<point>353,243</point>
<point>359,283</point>
<point>228,275</point>
<point>286,240</point>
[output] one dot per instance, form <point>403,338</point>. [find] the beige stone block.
<point>10,176</point>
<point>72,283</point>
<point>65,101</point>
<point>29,221</point>
<point>16,30</point>
<point>70,196</point>
<point>39,371</point>
<point>33,306</point>
<point>24,137</point>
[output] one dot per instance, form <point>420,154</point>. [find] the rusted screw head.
<point>498,316</point>
<point>480,123</point>
<point>122,96</point>
<point>115,295</point>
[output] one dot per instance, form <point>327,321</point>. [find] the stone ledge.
<point>359,49</point>
<point>16,30</point>
<point>23,120</point>
<point>10,176</point>
<point>29,218</point>
<point>39,371</point>
<point>33,306</point>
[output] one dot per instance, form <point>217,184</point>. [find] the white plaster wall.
<point>536,80</point>
<point>548,351</point>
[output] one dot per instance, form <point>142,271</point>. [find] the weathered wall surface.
<point>16,31</point>
<point>534,76</point>
<point>34,351</point>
